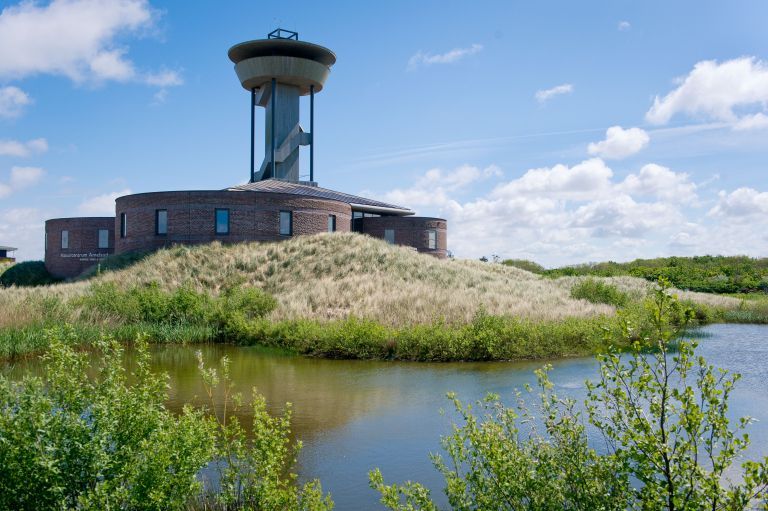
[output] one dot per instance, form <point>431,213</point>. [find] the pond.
<point>353,416</point>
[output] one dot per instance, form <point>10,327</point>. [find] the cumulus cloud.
<point>421,58</point>
<point>12,101</point>
<point>22,149</point>
<point>742,203</point>
<point>544,95</point>
<point>101,205</point>
<point>623,26</point>
<point>559,214</point>
<point>660,182</point>
<point>619,143</point>
<point>588,179</point>
<point>717,91</point>
<point>79,39</point>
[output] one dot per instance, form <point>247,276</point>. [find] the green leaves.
<point>76,440</point>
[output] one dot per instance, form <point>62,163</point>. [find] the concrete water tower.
<point>277,71</point>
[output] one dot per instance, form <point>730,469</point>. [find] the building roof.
<point>357,203</point>
<point>8,249</point>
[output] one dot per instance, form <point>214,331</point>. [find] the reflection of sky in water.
<point>355,415</point>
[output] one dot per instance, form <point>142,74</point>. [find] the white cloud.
<point>79,39</point>
<point>622,216</point>
<point>588,179</point>
<point>623,26</point>
<point>101,205</point>
<point>716,91</point>
<point>164,79</point>
<point>12,101</point>
<point>421,58</point>
<point>16,148</point>
<point>21,177</point>
<point>562,214</point>
<point>742,203</point>
<point>24,177</point>
<point>662,183</point>
<point>752,122</point>
<point>619,143</point>
<point>542,96</point>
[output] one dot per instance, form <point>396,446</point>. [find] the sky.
<point>557,131</point>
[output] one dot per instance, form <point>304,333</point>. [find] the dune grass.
<point>340,295</point>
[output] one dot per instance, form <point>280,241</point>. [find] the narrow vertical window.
<point>123,225</point>
<point>64,239</point>
<point>389,236</point>
<point>331,223</point>
<point>432,240</point>
<point>46,241</point>
<point>286,223</point>
<point>103,238</point>
<point>161,221</point>
<point>222,221</point>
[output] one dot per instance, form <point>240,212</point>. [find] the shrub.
<point>27,274</point>
<point>79,441</point>
<point>525,264</point>
<point>596,291</point>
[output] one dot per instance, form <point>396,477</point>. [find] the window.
<point>286,223</point>
<point>331,223</point>
<point>389,235</point>
<point>432,240</point>
<point>103,238</point>
<point>64,239</point>
<point>222,221</point>
<point>161,221</point>
<point>46,241</point>
<point>123,225</point>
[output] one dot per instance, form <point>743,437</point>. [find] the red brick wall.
<point>410,231</point>
<point>83,251</point>
<point>253,216</point>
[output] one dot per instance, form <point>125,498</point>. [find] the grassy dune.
<point>344,295</point>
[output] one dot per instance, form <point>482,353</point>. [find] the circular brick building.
<point>72,245</point>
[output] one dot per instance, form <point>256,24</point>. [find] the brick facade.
<point>411,231</point>
<point>83,244</point>
<point>253,216</point>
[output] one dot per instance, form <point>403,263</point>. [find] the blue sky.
<point>562,132</point>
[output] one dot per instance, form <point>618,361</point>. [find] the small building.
<point>274,205</point>
<point>6,254</point>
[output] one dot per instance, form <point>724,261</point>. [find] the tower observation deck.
<point>277,71</point>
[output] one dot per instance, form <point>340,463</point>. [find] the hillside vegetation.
<point>709,274</point>
<point>338,295</point>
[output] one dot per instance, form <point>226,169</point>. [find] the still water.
<point>353,416</point>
